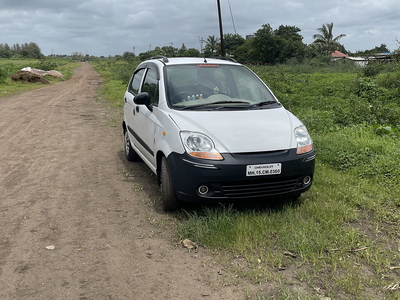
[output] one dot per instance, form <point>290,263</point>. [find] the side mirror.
<point>142,99</point>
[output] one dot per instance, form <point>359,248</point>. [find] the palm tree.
<point>325,38</point>
<point>212,44</point>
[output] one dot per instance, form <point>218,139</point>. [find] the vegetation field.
<point>13,65</point>
<point>341,240</point>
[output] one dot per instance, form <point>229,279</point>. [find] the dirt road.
<point>77,221</point>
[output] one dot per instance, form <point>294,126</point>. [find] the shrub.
<point>384,130</point>
<point>46,65</point>
<point>124,70</point>
<point>3,74</point>
<point>389,80</point>
<point>317,121</point>
<point>372,69</point>
<point>367,88</point>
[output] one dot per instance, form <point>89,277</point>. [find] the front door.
<point>142,122</point>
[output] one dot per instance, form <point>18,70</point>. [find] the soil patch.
<point>77,221</point>
<point>28,77</point>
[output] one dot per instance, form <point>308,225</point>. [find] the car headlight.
<point>303,139</point>
<point>199,145</point>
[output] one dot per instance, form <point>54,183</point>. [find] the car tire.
<point>168,196</point>
<point>130,154</point>
<point>296,197</point>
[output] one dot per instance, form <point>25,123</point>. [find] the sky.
<point>112,27</point>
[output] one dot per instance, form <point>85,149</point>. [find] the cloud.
<point>142,20</point>
<point>108,27</point>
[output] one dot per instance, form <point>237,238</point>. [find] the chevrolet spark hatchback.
<point>212,131</point>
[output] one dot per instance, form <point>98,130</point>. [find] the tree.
<point>182,51</point>
<point>31,50</point>
<point>128,55</point>
<point>326,40</point>
<point>212,45</point>
<point>232,42</point>
<point>290,43</point>
<point>265,50</point>
<point>192,52</point>
<point>185,52</point>
<point>277,46</point>
<point>16,48</point>
<point>5,51</point>
<point>397,51</point>
<point>245,52</point>
<point>381,49</point>
<point>77,56</point>
<point>169,51</point>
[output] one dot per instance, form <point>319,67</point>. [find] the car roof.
<point>193,60</point>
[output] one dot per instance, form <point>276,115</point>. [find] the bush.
<point>367,88</point>
<point>372,69</point>
<point>46,65</point>
<point>389,80</point>
<point>124,71</point>
<point>384,130</point>
<point>3,74</point>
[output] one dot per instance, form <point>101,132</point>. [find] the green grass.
<point>342,238</point>
<point>116,75</point>
<point>12,66</point>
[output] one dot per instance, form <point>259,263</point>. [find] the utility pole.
<point>221,33</point>
<point>201,41</point>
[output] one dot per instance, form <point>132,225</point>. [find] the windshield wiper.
<point>263,103</point>
<point>214,103</point>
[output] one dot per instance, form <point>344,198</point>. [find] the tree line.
<point>267,46</point>
<point>26,50</point>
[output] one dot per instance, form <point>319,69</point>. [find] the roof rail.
<point>224,58</point>
<point>164,58</point>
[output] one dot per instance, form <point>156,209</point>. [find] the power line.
<point>394,15</point>
<point>233,22</point>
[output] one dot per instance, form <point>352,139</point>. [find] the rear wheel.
<point>130,154</point>
<point>168,197</point>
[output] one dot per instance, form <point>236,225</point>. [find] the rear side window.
<point>135,83</point>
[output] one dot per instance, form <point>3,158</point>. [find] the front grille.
<point>260,154</point>
<point>258,189</point>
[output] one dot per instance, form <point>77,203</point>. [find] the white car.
<point>212,131</point>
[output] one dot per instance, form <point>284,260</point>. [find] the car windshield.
<point>212,86</point>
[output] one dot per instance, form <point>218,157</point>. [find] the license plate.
<point>262,170</point>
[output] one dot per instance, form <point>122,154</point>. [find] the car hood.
<point>241,131</point>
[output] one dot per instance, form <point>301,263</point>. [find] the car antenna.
<point>205,60</point>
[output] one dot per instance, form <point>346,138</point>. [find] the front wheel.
<point>168,197</point>
<point>130,154</point>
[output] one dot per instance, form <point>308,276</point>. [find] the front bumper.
<point>227,181</point>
